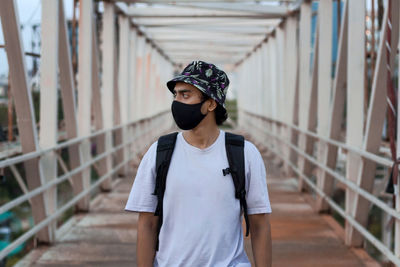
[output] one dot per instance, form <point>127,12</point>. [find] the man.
<point>201,216</point>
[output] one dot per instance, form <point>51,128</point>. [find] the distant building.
<point>3,90</point>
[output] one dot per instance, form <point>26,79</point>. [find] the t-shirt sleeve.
<point>256,182</point>
<point>141,198</point>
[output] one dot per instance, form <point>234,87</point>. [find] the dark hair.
<point>220,113</point>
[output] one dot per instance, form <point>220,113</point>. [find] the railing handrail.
<point>39,190</point>
<point>365,154</point>
<point>75,140</point>
<point>351,185</point>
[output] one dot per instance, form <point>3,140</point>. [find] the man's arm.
<point>260,230</point>
<point>146,239</point>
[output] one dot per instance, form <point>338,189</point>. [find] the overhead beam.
<point>171,10</point>
<point>242,42</point>
<point>122,8</point>
<point>198,1</point>
<point>215,54</point>
<point>209,36</point>
<point>206,58</point>
<point>183,49</point>
<point>207,16</point>
<point>204,21</point>
<point>256,8</point>
<point>211,29</point>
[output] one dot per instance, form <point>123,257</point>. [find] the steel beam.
<point>305,85</point>
<point>336,110</point>
<point>108,79</point>
<point>23,107</point>
<point>123,81</point>
<point>68,98</point>
<point>355,104</point>
<point>291,84</point>
<point>49,102</point>
<point>375,117</point>
<point>85,85</point>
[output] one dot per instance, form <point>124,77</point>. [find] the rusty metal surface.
<point>107,235</point>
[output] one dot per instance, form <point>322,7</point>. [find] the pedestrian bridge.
<point>313,85</point>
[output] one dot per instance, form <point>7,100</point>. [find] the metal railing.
<point>258,124</point>
<point>146,131</point>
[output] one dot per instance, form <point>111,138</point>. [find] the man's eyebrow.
<point>182,90</point>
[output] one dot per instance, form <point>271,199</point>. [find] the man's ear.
<point>212,106</point>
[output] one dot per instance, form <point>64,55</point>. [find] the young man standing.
<point>202,219</point>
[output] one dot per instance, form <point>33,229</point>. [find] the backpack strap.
<point>234,145</point>
<point>165,148</point>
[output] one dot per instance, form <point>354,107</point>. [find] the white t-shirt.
<point>202,220</point>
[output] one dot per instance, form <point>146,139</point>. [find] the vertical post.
<point>97,108</point>
<point>146,91</point>
<point>85,86</point>
<point>268,73</point>
<point>325,12</point>
<point>304,89</point>
<point>140,77</point>
<point>397,204</point>
<point>263,79</point>
<point>123,83</point>
<point>108,79</point>
<point>268,88</point>
<point>374,122</point>
<point>260,86</point>
<point>49,102</point>
<point>132,88</point>
<point>355,102</point>
<point>274,89</point>
<point>336,110</point>
<point>23,107</point>
<point>139,89</point>
<point>274,73</point>
<point>147,74</point>
<point>280,83</point>
<point>152,79</point>
<point>291,85</point>
<point>67,86</point>
<point>117,135</point>
<point>325,15</point>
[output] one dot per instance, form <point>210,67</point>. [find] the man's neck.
<point>202,136</point>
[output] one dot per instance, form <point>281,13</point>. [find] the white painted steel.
<point>355,103</point>
<point>153,132</point>
<point>48,134</point>
<point>349,184</point>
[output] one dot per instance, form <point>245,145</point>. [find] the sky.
<point>29,12</point>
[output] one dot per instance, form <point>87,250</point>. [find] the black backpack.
<point>234,145</point>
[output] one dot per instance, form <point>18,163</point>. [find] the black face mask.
<point>187,116</point>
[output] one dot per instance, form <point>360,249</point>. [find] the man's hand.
<point>260,231</point>
<point>146,239</point>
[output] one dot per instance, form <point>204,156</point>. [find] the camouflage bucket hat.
<point>206,77</point>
